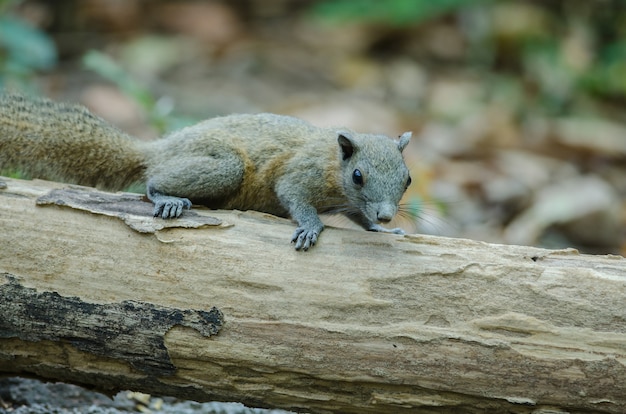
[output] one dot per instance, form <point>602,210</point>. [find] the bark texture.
<point>219,306</point>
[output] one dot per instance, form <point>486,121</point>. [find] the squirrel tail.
<point>64,142</point>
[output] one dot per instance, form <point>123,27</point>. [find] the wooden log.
<point>219,306</point>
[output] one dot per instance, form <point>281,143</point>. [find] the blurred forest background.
<point>518,108</point>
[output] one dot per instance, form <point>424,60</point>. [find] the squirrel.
<point>271,163</point>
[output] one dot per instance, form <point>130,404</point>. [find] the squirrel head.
<point>374,175</point>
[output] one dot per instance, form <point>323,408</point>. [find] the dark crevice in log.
<point>130,331</point>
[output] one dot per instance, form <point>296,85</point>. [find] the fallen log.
<point>219,306</point>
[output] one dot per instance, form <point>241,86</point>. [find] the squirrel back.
<point>268,147</point>
<point>64,142</point>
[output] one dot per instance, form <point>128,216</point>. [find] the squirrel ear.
<point>346,143</point>
<point>404,140</point>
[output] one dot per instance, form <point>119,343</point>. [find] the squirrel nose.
<point>383,216</point>
<point>385,212</point>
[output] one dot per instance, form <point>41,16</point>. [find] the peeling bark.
<point>362,323</point>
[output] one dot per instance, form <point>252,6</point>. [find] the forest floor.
<point>27,396</point>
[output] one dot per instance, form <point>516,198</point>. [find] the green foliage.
<point>561,82</point>
<point>14,174</point>
<point>530,43</point>
<point>393,12</point>
<point>24,50</point>
<point>106,67</point>
<point>608,76</point>
<point>159,115</point>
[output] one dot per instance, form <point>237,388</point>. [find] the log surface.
<point>362,323</point>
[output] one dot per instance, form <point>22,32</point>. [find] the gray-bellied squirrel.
<point>271,163</point>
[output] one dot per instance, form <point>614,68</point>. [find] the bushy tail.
<point>63,142</point>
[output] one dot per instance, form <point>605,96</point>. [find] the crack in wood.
<point>131,331</point>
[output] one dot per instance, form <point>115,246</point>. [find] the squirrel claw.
<point>304,238</point>
<point>170,207</point>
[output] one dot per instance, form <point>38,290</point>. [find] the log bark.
<point>219,306</point>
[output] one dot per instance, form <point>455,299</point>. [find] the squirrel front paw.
<point>381,229</point>
<point>170,207</point>
<point>304,238</point>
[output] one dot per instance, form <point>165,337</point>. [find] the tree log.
<point>219,306</point>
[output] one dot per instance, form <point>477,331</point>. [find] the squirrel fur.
<point>271,163</point>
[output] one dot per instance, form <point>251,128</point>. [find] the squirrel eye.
<point>357,177</point>
<point>408,182</point>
